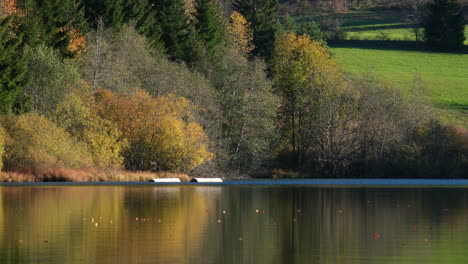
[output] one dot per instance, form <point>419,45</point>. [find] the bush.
<point>102,138</point>
<point>160,131</point>
<point>36,142</point>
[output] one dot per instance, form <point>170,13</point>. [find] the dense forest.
<point>203,87</point>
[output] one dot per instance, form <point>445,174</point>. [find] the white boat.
<point>206,180</point>
<point>165,180</point>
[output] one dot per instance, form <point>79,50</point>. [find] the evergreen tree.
<point>110,11</point>
<point>175,27</point>
<point>12,67</point>
<point>50,23</point>
<point>444,25</point>
<point>209,24</point>
<point>141,14</point>
<point>262,14</point>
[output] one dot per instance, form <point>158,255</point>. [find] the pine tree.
<point>141,14</point>
<point>12,67</point>
<point>110,11</point>
<point>175,27</point>
<point>209,24</point>
<point>262,14</point>
<point>50,23</point>
<point>444,25</point>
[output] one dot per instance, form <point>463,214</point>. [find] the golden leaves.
<point>240,33</point>
<point>162,128</point>
<point>299,60</point>
<point>8,7</point>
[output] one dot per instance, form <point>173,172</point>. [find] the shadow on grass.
<point>389,45</point>
<point>377,27</point>
<point>463,108</point>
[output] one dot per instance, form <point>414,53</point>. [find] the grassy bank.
<point>444,75</point>
<point>86,175</point>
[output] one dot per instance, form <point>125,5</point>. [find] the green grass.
<point>370,23</point>
<point>395,31</point>
<point>445,75</point>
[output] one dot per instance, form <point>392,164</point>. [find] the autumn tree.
<point>36,142</point>
<point>240,34</point>
<point>314,98</point>
<point>262,14</point>
<point>12,67</point>
<point>7,8</point>
<point>161,132</point>
<point>103,140</point>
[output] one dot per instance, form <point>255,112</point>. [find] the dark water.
<point>232,224</point>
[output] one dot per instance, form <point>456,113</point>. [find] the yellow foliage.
<point>36,142</point>
<point>8,7</point>
<point>159,130</point>
<point>240,33</point>
<point>300,60</point>
<point>102,137</point>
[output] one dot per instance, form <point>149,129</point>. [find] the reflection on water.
<point>232,224</point>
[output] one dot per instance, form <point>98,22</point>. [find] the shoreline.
<point>355,183</point>
<point>66,175</point>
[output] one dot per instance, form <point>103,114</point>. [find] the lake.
<point>232,224</point>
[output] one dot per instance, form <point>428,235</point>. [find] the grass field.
<point>445,75</point>
<point>372,24</point>
<point>394,31</point>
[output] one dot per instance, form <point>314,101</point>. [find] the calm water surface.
<point>232,224</point>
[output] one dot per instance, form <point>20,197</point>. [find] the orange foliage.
<point>240,33</point>
<point>159,130</point>
<point>77,43</point>
<point>8,7</point>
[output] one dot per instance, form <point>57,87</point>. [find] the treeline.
<point>203,87</point>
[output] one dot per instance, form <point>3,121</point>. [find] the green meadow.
<point>444,75</point>
<point>395,31</point>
